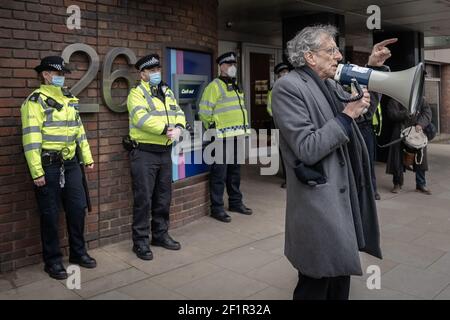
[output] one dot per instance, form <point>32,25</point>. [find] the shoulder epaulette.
<point>67,93</point>
<point>34,97</point>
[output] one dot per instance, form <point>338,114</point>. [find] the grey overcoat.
<point>326,225</point>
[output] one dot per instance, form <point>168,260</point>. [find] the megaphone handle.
<point>363,87</point>
<point>352,99</point>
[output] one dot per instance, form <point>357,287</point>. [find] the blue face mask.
<point>155,78</point>
<point>58,81</point>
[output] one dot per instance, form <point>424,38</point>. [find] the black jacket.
<point>401,119</point>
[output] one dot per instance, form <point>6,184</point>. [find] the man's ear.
<point>309,58</point>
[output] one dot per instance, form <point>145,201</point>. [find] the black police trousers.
<point>73,198</point>
<point>227,173</point>
<point>151,173</point>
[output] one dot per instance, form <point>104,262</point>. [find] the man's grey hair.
<point>308,39</point>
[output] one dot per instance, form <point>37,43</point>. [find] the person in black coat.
<point>402,119</point>
<point>365,125</point>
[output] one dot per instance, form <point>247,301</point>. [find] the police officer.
<point>280,70</point>
<point>222,108</point>
<point>156,121</point>
<point>51,131</point>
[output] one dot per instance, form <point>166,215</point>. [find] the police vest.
<point>222,107</point>
<point>269,103</point>
<point>51,121</point>
<point>377,120</point>
<point>150,117</point>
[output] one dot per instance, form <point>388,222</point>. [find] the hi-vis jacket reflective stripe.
<point>44,127</point>
<point>150,117</point>
<point>377,120</point>
<point>224,109</point>
<point>269,102</point>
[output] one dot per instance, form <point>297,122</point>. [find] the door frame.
<point>438,81</point>
<point>247,49</point>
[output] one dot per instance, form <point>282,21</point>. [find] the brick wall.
<point>445,99</point>
<point>33,29</point>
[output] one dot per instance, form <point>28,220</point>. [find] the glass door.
<point>432,95</point>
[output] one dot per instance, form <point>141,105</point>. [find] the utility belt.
<point>130,144</point>
<point>49,157</point>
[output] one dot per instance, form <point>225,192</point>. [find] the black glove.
<point>310,175</point>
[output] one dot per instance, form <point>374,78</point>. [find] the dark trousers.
<point>371,144</point>
<point>151,173</point>
<point>227,173</point>
<point>337,288</point>
<point>398,178</point>
<point>420,178</point>
<point>49,199</point>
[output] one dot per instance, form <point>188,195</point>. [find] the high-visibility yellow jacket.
<point>269,102</point>
<point>150,117</point>
<point>377,120</point>
<point>46,128</point>
<point>222,107</point>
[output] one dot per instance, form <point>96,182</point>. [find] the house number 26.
<point>108,76</point>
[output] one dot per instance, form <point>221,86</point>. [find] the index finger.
<point>386,42</point>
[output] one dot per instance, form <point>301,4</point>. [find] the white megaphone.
<point>404,86</point>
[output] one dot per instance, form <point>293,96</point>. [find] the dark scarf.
<point>359,176</point>
<point>354,148</point>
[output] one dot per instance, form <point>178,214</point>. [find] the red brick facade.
<point>33,29</point>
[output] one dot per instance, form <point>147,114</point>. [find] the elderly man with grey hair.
<point>331,213</point>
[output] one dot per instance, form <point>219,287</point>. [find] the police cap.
<point>52,63</point>
<point>280,67</point>
<point>148,62</point>
<point>229,57</point>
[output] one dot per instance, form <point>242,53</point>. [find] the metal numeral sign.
<point>108,76</point>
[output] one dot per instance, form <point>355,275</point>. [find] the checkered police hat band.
<point>231,58</point>
<point>56,66</point>
<point>152,62</point>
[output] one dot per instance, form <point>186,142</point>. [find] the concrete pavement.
<point>244,259</point>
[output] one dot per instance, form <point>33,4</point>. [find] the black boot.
<point>221,216</point>
<point>85,261</point>
<point>166,242</point>
<point>241,209</point>
<point>56,271</point>
<point>143,252</point>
